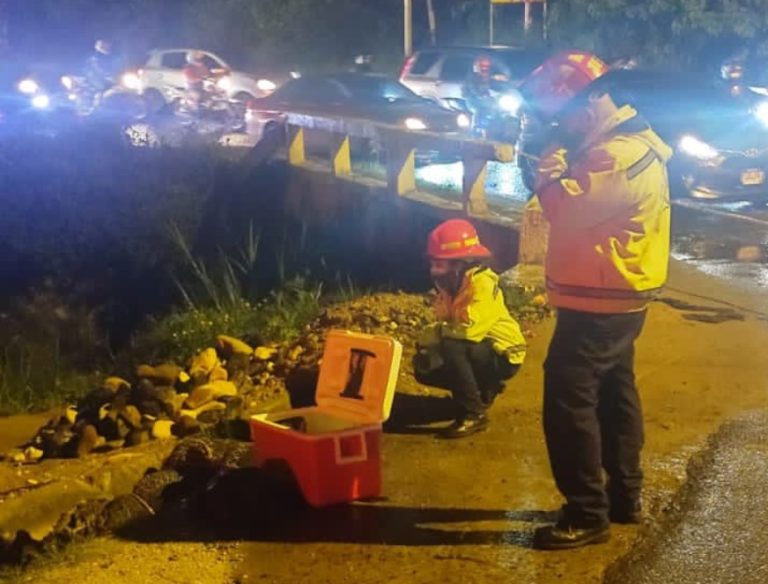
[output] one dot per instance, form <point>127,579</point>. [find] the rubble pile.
<point>163,401</point>
<point>228,382</point>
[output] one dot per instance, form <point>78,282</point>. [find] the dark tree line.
<point>674,32</point>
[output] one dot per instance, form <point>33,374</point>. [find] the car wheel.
<point>243,97</point>
<point>240,102</point>
<point>154,101</point>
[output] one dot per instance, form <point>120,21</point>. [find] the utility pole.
<point>432,22</point>
<point>4,16</point>
<point>527,17</point>
<point>408,27</point>
<point>491,14</point>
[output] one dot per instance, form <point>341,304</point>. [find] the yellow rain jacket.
<point>478,312</point>
<point>609,214</point>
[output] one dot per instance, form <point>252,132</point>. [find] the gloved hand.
<point>552,166</point>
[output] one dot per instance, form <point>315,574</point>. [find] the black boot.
<point>466,426</point>
<point>564,536</point>
<point>626,512</point>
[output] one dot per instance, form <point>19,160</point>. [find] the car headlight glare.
<point>696,148</point>
<point>41,101</point>
<point>463,121</point>
<point>511,103</point>
<point>28,86</point>
<point>415,124</point>
<point>266,85</point>
<point>224,84</point>
<point>761,112</point>
<point>131,81</point>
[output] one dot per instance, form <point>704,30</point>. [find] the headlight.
<point>266,85</point>
<point>28,86</point>
<point>692,146</point>
<point>761,112</point>
<point>41,101</point>
<point>415,124</point>
<point>295,74</point>
<point>224,84</point>
<point>131,81</point>
<point>67,82</point>
<point>463,121</point>
<point>511,103</point>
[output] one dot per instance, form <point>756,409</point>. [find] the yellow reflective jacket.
<point>609,214</point>
<point>478,312</point>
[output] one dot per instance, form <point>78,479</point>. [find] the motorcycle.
<point>118,100</point>
<point>210,107</point>
<point>496,118</point>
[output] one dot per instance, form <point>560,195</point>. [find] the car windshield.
<point>677,104</point>
<point>685,97</point>
<point>374,88</point>
<point>521,62</point>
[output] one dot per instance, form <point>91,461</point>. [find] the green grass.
<point>222,297</point>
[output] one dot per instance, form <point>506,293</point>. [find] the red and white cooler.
<point>333,448</point>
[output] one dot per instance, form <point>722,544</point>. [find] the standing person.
<point>603,187</point>
<point>476,344</point>
<point>103,68</point>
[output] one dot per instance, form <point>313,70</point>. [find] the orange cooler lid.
<point>358,374</point>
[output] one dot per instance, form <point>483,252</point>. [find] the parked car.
<point>376,98</point>
<point>720,139</point>
<point>162,76</point>
<point>439,73</point>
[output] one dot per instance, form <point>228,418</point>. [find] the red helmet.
<point>455,239</point>
<point>559,79</point>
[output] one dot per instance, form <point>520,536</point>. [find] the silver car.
<point>162,77</point>
<point>440,73</point>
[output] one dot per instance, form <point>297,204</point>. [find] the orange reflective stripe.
<point>458,244</point>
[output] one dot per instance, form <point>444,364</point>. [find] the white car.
<point>161,78</point>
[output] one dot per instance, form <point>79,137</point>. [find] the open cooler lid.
<point>358,375</point>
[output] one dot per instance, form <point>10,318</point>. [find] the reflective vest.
<point>477,312</point>
<point>609,216</point>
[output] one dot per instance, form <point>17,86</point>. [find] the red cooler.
<point>334,448</point>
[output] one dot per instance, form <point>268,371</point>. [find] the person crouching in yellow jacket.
<point>476,344</point>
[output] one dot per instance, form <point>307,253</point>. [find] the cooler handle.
<point>350,448</point>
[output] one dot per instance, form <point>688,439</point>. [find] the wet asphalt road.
<point>719,535</point>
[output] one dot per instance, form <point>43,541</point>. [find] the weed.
<point>224,299</point>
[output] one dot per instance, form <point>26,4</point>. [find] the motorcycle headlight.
<point>415,124</point>
<point>67,82</point>
<point>224,84</point>
<point>41,101</point>
<point>266,85</point>
<point>696,148</point>
<point>131,81</point>
<point>761,112</point>
<point>28,86</point>
<point>511,103</point>
<point>463,121</point>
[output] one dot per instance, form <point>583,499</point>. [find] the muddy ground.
<point>464,511</point>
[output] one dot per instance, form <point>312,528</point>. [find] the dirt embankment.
<point>463,511</point>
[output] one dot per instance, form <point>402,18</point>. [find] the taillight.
<point>407,66</point>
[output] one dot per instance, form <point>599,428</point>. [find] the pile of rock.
<point>162,401</point>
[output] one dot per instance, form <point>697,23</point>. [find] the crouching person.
<point>476,344</point>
